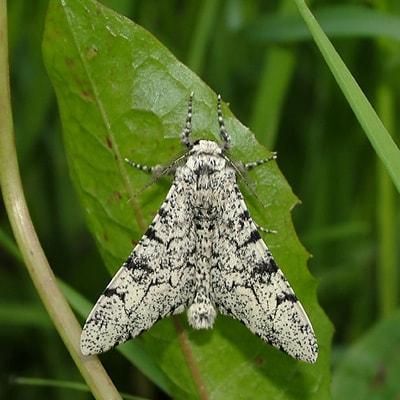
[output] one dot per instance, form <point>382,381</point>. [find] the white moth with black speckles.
<point>202,252</point>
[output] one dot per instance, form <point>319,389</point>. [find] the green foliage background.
<point>277,84</point>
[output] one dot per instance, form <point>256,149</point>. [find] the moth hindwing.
<point>202,252</point>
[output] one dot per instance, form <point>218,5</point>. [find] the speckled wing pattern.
<point>249,286</point>
<point>202,252</point>
<point>154,282</point>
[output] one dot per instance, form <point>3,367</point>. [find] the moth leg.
<point>255,164</point>
<point>156,170</point>
<point>265,230</point>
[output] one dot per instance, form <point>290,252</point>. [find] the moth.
<point>203,253</point>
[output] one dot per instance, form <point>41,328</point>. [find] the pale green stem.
<point>28,242</point>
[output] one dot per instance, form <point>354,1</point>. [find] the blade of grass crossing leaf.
<point>377,134</point>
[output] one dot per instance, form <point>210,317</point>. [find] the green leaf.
<point>371,368</point>
<point>122,94</point>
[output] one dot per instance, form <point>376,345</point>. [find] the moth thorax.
<point>206,147</point>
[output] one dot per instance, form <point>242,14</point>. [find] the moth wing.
<point>154,282</point>
<point>248,285</point>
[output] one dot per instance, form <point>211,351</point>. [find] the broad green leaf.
<point>122,94</point>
